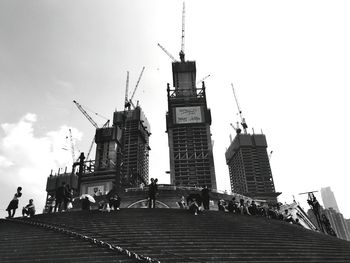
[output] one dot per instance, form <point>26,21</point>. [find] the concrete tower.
<point>188,123</point>
<point>249,167</point>
<point>133,155</point>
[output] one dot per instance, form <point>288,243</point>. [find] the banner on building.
<point>185,115</point>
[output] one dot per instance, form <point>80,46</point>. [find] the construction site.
<point>245,224</point>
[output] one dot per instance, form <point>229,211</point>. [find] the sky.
<point>288,60</point>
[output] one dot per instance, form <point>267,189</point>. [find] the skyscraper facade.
<point>249,167</point>
<point>133,155</point>
<point>188,123</point>
<point>328,199</point>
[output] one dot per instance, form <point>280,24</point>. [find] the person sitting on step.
<point>29,209</point>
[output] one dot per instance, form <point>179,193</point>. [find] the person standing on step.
<point>60,197</point>
<point>67,197</point>
<point>152,191</point>
<point>11,209</point>
<point>205,197</point>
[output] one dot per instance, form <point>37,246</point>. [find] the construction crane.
<point>126,102</point>
<point>92,122</point>
<point>182,52</point>
<point>86,114</point>
<point>166,52</point>
<point>72,145</point>
<point>90,149</point>
<point>243,123</point>
<point>237,129</point>
<point>202,79</point>
<point>137,85</point>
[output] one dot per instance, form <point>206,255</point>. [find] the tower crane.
<point>126,102</point>
<point>237,129</point>
<point>167,52</point>
<point>243,123</point>
<point>182,52</point>
<point>137,85</point>
<point>72,145</point>
<point>92,122</point>
<point>202,79</point>
<point>86,114</point>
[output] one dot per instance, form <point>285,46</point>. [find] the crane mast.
<point>243,123</point>
<point>72,145</point>
<point>126,102</point>
<point>182,52</point>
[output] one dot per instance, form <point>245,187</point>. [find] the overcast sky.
<point>289,62</point>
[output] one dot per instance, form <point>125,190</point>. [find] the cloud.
<point>4,162</point>
<point>26,159</point>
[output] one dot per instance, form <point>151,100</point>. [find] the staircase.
<point>174,235</point>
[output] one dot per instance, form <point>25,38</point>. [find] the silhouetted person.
<point>113,198</point>
<point>114,202</point>
<point>60,196</point>
<point>205,197</point>
<point>67,196</point>
<point>152,191</point>
<point>193,203</point>
<point>85,205</point>
<point>11,209</point>
<point>253,209</point>
<point>29,209</point>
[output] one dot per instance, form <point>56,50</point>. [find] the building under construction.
<point>133,155</point>
<point>249,167</point>
<point>122,154</point>
<point>188,123</point>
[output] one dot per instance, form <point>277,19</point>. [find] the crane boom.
<point>243,123</point>
<point>166,52</point>
<point>86,114</point>
<point>202,79</point>
<point>137,84</point>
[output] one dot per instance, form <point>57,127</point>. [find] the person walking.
<point>13,205</point>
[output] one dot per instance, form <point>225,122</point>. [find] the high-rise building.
<point>133,155</point>
<point>122,154</point>
<point>338,223</point>
<point>249,167</point>
<point>328,199</point>
<point>188,123</point>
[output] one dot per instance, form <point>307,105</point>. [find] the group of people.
<point>246,207</point>
<point>112,201</point>
<point>196,202</point>
<point>28,210</point>
<point>62,199</point>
